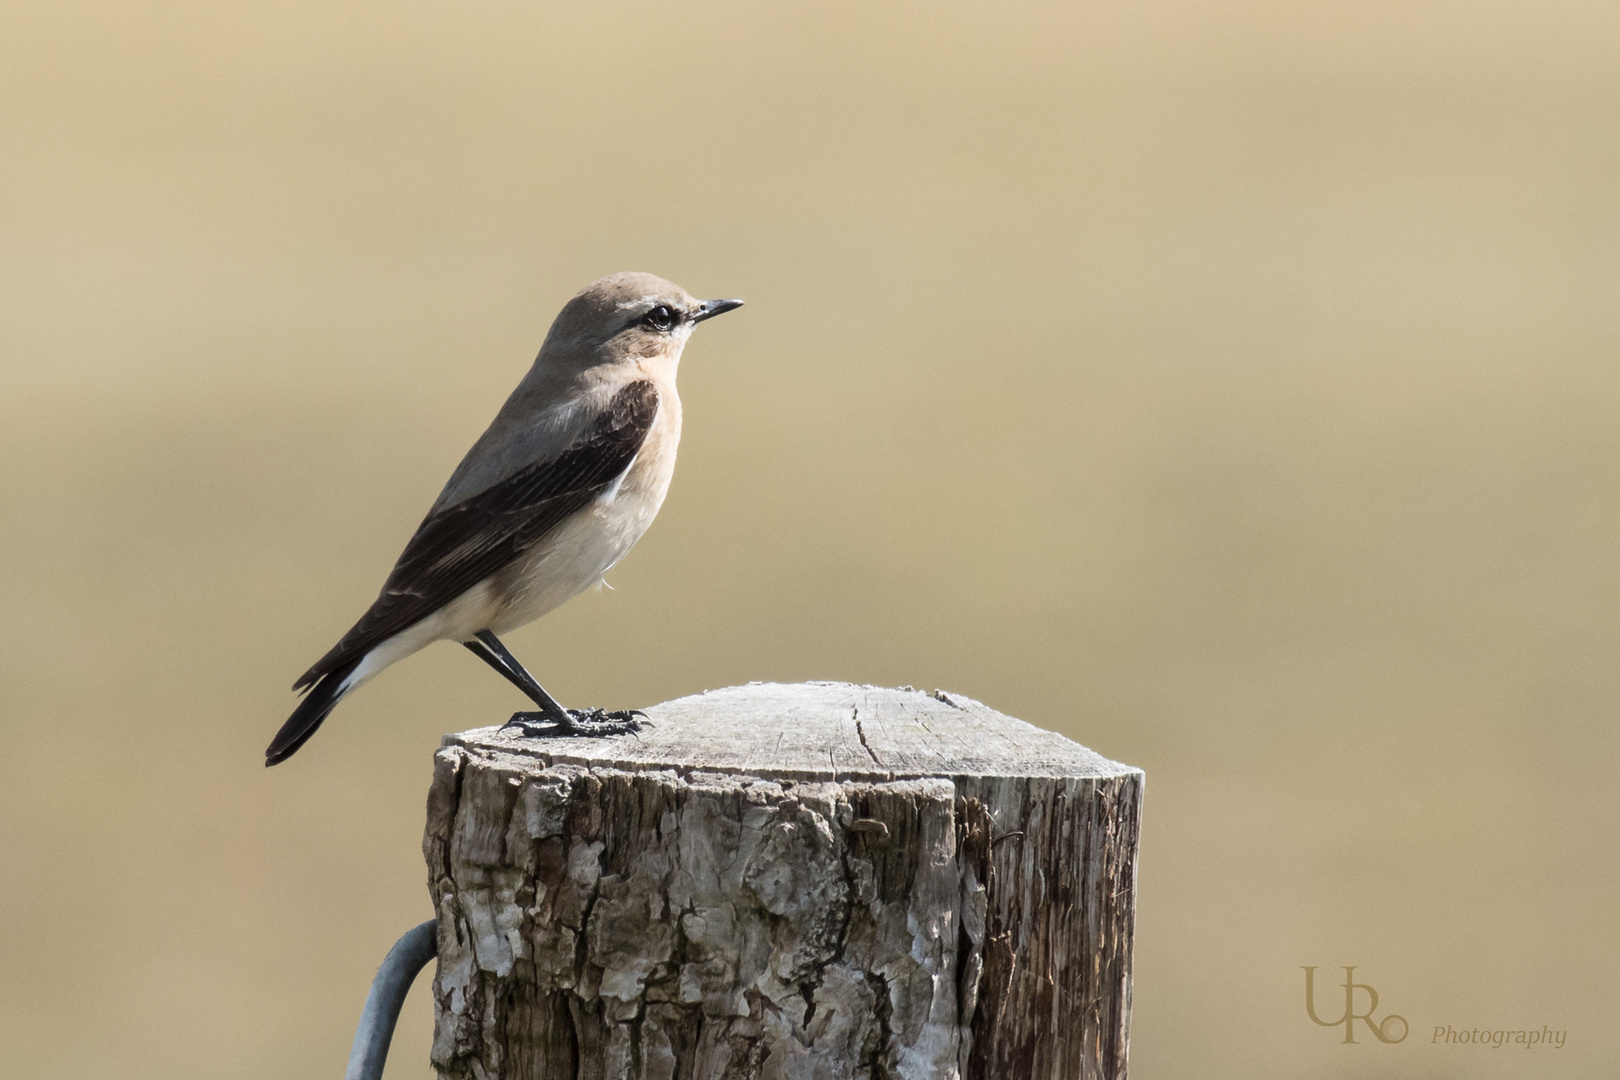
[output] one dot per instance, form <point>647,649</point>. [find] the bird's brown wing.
<point>461,545</point>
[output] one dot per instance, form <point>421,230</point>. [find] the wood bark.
<point>807,882</point>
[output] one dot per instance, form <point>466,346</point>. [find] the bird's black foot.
<point>603,722</point>
<point>573,723</point>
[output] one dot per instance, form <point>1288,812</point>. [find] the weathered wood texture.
<point>813,881</point>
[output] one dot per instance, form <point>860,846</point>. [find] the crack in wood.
<point>860,732</point>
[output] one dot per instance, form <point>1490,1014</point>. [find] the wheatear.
<point>557,491</point>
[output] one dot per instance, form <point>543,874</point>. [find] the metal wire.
<point>409,955</point>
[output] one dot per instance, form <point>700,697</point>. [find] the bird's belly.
<point>578,552</point>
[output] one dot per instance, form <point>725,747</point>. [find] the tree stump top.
<point>819,881</point>
<point>824,731</point>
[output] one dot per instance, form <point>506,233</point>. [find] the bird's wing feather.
<point>460,545</point>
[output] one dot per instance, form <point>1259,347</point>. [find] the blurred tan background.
<point>1230,386</point>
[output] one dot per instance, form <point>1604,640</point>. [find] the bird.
<point>556,491</point>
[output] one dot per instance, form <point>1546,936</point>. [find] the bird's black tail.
<point>320,701</point>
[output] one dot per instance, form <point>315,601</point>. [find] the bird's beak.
<point>710,308</point>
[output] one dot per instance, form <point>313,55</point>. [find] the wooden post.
<point>817,881</point>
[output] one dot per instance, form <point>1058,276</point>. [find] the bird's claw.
<point>604,722</point>
<point>576,723</point>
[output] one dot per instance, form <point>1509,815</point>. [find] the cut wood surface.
<point>784,881</point>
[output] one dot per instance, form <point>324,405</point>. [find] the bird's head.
<point>627,318</point>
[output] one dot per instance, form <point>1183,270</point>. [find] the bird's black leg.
<point>556,719</point>
<point>489,649</point>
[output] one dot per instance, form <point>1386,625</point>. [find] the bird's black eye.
<point>661,318</point>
